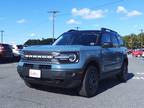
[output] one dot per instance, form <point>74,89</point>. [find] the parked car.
<point>129,51</point>
<point>77,59</point>
<point>143,53</point>
<point>137,53</point>
<point>16,50</point>
<point>6,52</point>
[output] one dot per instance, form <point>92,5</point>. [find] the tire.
<point>124,73</point>
<point>30,85</point>
<point>89,86</point>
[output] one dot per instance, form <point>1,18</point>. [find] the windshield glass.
<point>81,38</point>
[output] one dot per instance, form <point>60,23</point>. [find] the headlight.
<point>72,57</point>
<point>67,57</point>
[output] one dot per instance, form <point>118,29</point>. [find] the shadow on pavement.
<point>111,82</point>
<point>103,86</point>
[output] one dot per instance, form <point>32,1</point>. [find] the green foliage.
<point>134,41</point>
<point>43,41</point>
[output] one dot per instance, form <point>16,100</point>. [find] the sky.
<point>29,19</point>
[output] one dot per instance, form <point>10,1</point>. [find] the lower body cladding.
<point>44,75</point>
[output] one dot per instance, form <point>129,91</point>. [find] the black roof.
<point>84,31</point>
<point>102,30</point>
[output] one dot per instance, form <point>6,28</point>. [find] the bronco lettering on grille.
<point>39,56</point>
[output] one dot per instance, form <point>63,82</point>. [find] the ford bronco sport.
<point>77,59</point>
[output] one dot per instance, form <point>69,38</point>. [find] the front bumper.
<point>65,78</point>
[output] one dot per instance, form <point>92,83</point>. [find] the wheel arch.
<point>92,62</point>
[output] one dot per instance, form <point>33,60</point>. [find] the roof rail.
<point>72,30</point>
<point>109,30</point>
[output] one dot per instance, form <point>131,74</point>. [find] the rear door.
<point>108,53</point>
<point>117,52</point>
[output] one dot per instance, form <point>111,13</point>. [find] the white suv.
<point>16,50</point>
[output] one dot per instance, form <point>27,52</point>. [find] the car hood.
<point>50,48</point>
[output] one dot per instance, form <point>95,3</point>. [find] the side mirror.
<point>107,45</point>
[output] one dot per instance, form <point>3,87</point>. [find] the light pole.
<point>53,18</point>
<point>2,32</point>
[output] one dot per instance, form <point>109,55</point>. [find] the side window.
<point>114,40</point>
<point>120,41</point>
<point>105,38</point>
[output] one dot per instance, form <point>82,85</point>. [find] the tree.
<point>43,41</point>
<point>134,41</point>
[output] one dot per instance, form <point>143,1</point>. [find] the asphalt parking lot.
<point>112,94</point>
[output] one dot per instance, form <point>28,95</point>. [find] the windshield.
<point>81,38</point>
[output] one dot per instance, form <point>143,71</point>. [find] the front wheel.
<point>90,82</point>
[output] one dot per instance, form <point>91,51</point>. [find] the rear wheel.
<point>90,82</point>
<point>124,73</point>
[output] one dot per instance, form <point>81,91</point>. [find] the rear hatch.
<point>5,50</point>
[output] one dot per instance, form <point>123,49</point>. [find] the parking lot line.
<point>142,73</point>
<point>138,78</point>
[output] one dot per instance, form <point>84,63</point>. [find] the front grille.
<point>38,59</point>
<point>28,65</point>
<point>38,56</point>
<point>45,66</point>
